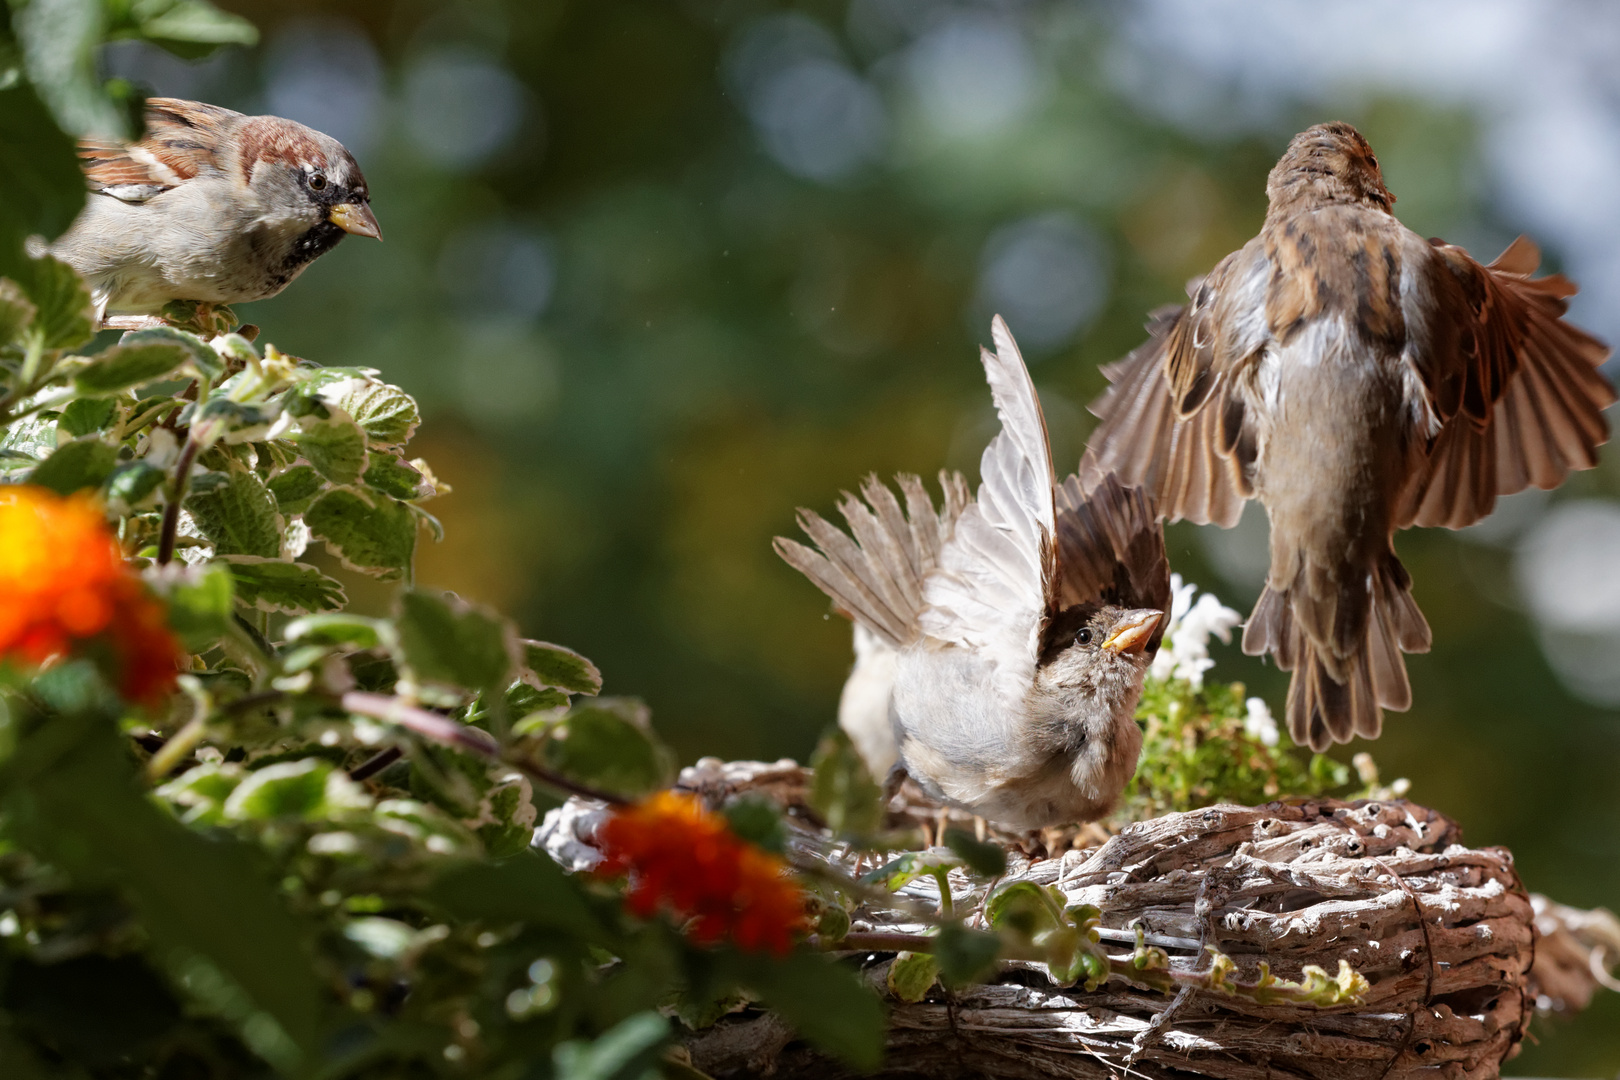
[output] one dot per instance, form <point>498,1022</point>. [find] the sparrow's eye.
<point>1083,637</point>
<point>317,181</point>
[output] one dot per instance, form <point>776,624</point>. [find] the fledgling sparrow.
<point>1357,379</point>
<point>1002,642</point>
<point>210,206</point>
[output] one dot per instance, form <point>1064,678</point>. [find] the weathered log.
<point>1445,936</point>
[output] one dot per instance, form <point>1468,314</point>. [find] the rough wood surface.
<point>1444,934</point>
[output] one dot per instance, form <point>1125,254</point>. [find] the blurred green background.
<point>661,271</point>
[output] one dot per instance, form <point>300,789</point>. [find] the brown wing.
<point>1532,399</point>
<point>1146,441</point>
<point>1111,548</point>
<point>181,140</point>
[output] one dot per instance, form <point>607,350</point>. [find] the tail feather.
<point>1339,693</point>
<point>876,577</point>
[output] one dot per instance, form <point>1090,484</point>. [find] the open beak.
<point>355,218</point>
<point>1133,630</point>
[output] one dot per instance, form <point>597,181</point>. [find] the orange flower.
<point>63,580</point>
<point>681,857</point>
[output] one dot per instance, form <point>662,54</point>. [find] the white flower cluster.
<point>1259,723</point>
<point>1184,653</point>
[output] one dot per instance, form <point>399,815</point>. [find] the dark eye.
<point>317,181</point>
<point>1083,637</point>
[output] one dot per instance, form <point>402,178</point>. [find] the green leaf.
<point>199,599</point>
<point>446,641</point>
<point>85,416</point>
<point>133,482</point>
<point>190,28</point>
<point>71,797</point>
<point>387,414</point>
<point>526,888</point>
<point>757,820</point>
<point>82,463</point>
<point>912,975</point>
<point>233,422</point>
<point>59,39</point>
<point>548,665</point>
<point>339,629</point>
<point>368,532</point>
<point>982,857</point>
<point>629,1050</point>
<point>40,178</point>
<point>307,790</point>
<point>964,955</point>
<point>296,488</point>
<point>292,588</point>
<point>393,475</point>
<point>122,366</point>
<point>825,1001</point>
<point>843,791</point>
<point>607,743</point>
<point>329,439</point>
<point>16,310</point>
<point>66,316</point>
<point>239,516</point>
<point>26,442</point>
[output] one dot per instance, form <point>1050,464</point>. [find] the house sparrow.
<point>1357,379</point>
<point>209,206</point>
<point>1002,642</point>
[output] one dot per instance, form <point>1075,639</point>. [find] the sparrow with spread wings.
<point>1001,642</point>
<point>1356,379</point>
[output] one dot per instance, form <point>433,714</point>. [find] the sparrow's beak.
<point>1133,630</point>
<point>355,218</point>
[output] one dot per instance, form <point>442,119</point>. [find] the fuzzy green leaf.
<point>446,641</point>
<point>292,588</point>
<point>368,532</point>
<point>85,416</point>
<point>335,629</point>
<point>548,665</point>
<point>65,316</point>
<point>39,174</point>
<point>629,1050</point>
<point>329,439</point>
<point>16,310</point>
<point>825,1001</point>
<point>843,791</point>
<point>964,955</point>
<point>122,366</point>
<point>387,414</point>
<point>200,601</point>
<point>912,975</point>
<point>82,463</point>
<point>296,488</point>
<point>527,888</point>
<point>982,857</point>
<point>608,744</point>
<point>393,475</point>
<point>188,28</point>
<point>238,515</point>
<point>134,482</point>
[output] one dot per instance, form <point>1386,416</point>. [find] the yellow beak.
<point>1133,630</point>
<point>355,218</point>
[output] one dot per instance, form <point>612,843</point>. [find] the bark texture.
<point>1444,934</point>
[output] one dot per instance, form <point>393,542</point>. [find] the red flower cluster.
<point>681,857</point>
<point>63,580</point>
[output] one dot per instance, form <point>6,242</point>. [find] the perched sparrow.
<point>1002,643</point>
<point>1357,379</point>
<point>210,206</point>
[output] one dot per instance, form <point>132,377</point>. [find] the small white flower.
<point>1259,723</point>
<point>1184,653</point>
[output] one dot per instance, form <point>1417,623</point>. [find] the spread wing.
<point>1111,549</point>
<point>181,140</point>
<point>1172,422</point>
<point>996,578</point>
<point>1532,399</point>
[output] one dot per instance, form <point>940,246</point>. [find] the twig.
<point>171,512</point>
<point>375,764</point>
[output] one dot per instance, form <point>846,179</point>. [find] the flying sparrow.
<point>209,206</point>
<point>1357,379</point>
<point>1002,642</point>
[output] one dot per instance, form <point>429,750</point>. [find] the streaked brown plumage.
<point>1357,379</point>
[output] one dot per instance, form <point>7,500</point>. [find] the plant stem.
<point>171,512</point>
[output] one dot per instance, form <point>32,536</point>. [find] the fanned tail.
<point>1340,689</point>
